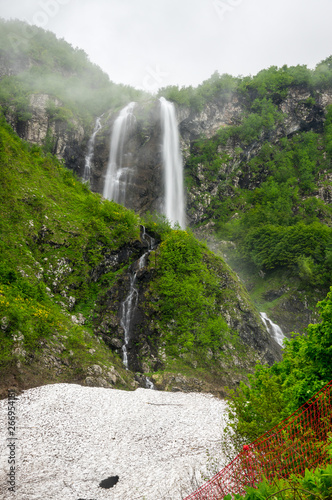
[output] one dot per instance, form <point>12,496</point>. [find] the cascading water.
<point>127,309</point>
<point>148,239</point>
<point>89,156</point>
<point>173,165</point>
<point>273,329</point>
<point>149,384</point>
<point>118,176</point>
<point>129,305</point>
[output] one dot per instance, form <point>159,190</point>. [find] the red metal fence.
<point>292,446</point>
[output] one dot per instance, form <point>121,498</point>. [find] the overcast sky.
<point>154,43</point>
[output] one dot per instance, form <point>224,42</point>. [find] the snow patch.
<point>70,438</point>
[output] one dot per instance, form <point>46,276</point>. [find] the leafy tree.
<point>275,392</point>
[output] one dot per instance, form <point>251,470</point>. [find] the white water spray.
<point>273,329</point>
<point>117,176</point>
<point>173,166</point>
<point>89,156</point>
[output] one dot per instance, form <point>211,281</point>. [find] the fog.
<point>154,43</point>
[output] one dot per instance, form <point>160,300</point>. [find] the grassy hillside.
<point>65,255</point>
<point>52,232</point>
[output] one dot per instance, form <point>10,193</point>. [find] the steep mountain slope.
<point>257,153</point>
<point>67,262</point>
<point>262,185</point>
<point>258,176</point>
<point>51,92</point>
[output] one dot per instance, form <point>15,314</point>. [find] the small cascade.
<point>273,329</point>
<point>129,305</point>
<point>117,175</point>
<point>147,238</point>
<point>173,165</point>
<point>127,309</point>
<point>89,156</point>
<point>149,384</point>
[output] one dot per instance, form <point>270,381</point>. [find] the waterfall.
<point>127,309</point>
<point>173,168</point>
<point>148,239</point>
<point>129,305</point>
<point>273,329</point>
<point>89,156</point>
<point>118,176</point>
<point>149,384</point>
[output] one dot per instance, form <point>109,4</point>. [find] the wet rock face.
<point>142,147</point>
<point>108,310</point>
<point>141,157</point>
<point>108,322</point>
<point>294,311</point>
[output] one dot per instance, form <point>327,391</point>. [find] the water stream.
<point>273,329</point>
<point>117,175</point>
<point>149,384</point>
<point>129,305</point>
<point>173,166</point>
<point>91,144</point>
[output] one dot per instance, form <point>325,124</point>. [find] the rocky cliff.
<point>68,263</point>
<point>68,139</point>
<point>297,116</point>
<point>72,258</point>
<point>46,128</point>
<point>221,146</point>
<point>146,348</point>
<point>141,156</point>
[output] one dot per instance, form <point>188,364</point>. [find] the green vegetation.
<point>53,231</point>
<point>280,223</point>
<point>56,240</point>
<point>190,294</point>
<point>315,484</point>
<point>269,85</point>
<point>215,88</point>
<point>276,392</point>
<point>44,64</point>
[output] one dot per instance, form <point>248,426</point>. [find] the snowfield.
<point>70,438</point>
